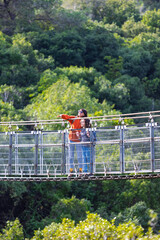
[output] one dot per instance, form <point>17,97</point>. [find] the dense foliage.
<point>93,227</point>
<point>56,57</point>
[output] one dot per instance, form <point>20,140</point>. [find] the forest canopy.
<point>57,56</point>
<point>107,49</point>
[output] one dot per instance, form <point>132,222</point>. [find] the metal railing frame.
<point>39,145</point>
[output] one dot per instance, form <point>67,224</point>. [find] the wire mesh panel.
<point>4,153</point>
<point>137,157</point>
<point>107,151</point>
<point>50,154</point>
<point>4,139</point>
<point>50,161</point>
<point>23,156</point>
<point>157,148</point>
<point>137,152</point>
<point>107,158</point>
<point>50,137</point>
<point>23,161</point>
<point>136,133</point>
<point>107,134</point>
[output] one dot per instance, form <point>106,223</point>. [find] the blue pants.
<point>72,148</point>
<point>86,158</point>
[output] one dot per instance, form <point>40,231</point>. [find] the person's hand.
<point>78,134</point>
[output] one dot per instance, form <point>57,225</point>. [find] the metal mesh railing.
<point>122,150</point>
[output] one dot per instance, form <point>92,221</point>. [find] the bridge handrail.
<point>123,150</point>
<point>120,117</point>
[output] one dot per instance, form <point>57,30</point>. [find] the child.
<point>86,147</point>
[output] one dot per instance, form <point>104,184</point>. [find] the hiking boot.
<point>71,172</point>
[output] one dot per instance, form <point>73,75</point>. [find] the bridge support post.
<point>122,164</point>
<point>36,154</point>
<point>10,154</point>
<point>63,170</point>
<point>16,153</point>
<point>41,152</point>
<point>152,146</point>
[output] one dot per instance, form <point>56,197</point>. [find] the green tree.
<point>148,44</point>
<point>99,44</point>
<point>131,28</point>
<point>9,113</point>
<point>152,87</point>
<point>113,67</point>
<point>11,194</point>
<point>147,41</point>
<point>119,11</point>
<point>134,59</point>
<point>84,47</point>
<point>17,15</point>
<point>13,231</point>
<point>73,208</point>
<point>152,19</point>
<point>93,227</point>
<point>81,75</point>
<point>19,64</point>
<point>11,94</point>
<point>129,231</point>
<point>67,47</point>
<point>117,94</point>
<point>151,4</point>
<point>138,213</point>
<point>64,97</point>
<point>34,209</point>
<point>110,11</point>
<point>68,20</point>
<point>55,230</point>
<point>48,77</point>
<point>137,99</point>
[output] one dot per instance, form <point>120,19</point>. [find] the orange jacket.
<point>75,124</point>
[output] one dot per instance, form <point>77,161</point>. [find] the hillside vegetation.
<point>57,57</point>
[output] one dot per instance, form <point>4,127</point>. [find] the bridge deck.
<point>78,178</point>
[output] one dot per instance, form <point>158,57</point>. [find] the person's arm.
<point>66,117</point>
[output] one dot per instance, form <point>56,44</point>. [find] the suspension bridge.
<point>120,151</point>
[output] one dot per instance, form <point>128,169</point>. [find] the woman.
<point>73,137</point>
